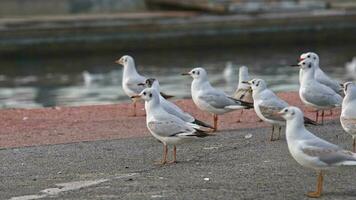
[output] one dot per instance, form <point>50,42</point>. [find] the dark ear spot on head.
<point>314,57</point>
<point>258,83</point>
<point>292,113</point>
<point>198,72</point>
<point>151,95</point>
<point>309,65</point>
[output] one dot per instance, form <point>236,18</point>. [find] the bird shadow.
<point>346,193</point>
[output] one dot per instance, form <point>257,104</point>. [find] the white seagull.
<point>320,75</point>
<point>348,113</point>
<point>167,128</point>
<point>131,79</point>
<point>351,68</point>
<point>210,99</point>
<point>311,151</point>
<point>172,108</point>
<point>313,93</point>
<point>267,104</point>
<point>243,91</point>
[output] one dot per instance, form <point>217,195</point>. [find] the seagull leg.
<point>242,112</point>
<point>164,158</point>
<point>319,187</point>
<point>354,144</point>
<point>322,117</point>
<point>317,116</point>
<point>174,155</point>
<point>134,108</point>
<point>279,132</point>
<point>271,138</point>
<point>215,116</point>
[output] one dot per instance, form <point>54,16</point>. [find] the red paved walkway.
<point>22,127</point>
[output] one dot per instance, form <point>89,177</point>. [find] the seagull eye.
<point>144,93</point>
<point>193,72</point>
<point>286,110</point>
<point>308,56</point>
<point>303,63</point>
<point>253,82</point>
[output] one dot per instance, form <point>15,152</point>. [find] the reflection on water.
<point>73,80</point>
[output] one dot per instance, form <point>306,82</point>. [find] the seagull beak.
<point>141,84</point>
<point>185,74</point>
<point>119,61</point>
<point>136,97</point>
<point>294,65</point>
<point>245,82</point>
<point>301,59</point>
<point>280,113</point>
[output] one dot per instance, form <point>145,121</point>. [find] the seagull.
<point>210,99</point>
<point>320,75</point>
<point>351,68</point>
<point>311,151</point>
<point>267,104</point>
<point>229,72</point>
<point>172,108</point>
<point>243,91</point>
<point>131,79</point>
<point>348,113</point>
<point>167,128</point>
<point>313,93</point>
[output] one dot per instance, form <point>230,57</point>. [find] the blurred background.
<point>62,52</point>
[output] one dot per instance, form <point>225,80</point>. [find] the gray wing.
<point>132,84</point>
<point>271,105</point>
<point>169,127</point>
<point>327,152</point>
<point>321,95</point>
<point>217,99</point>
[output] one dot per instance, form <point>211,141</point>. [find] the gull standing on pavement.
<point>313,93</point>
<point>243,91</point>
<point>131,79</point>
<point>172,108</point>
<point>210,99</point>
<point>310,151</point>
<point>167,128</point>
<point>319,74</point>
<point>348,113</point>
<point>267,104</point>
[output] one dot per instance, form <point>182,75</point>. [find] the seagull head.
<point>197,73</point>
<point>306,65</point>
<point>256,84</point>
<point>310,55</point>
<point>290,113</point>
<point>125,61</point>
<point>147,94</point>
<point>349,88</point>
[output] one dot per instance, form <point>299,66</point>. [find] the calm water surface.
<point>85,79</point>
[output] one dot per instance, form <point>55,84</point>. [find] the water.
<point>42,81</point>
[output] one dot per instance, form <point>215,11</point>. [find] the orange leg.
<point>242,112</point>
<point>322,117</point>
<point>279,132</point>
<point>134,108</point>
<point>319,187</point>
<point>174,155</point>
<point>215,122</point>
<point>164,158</point>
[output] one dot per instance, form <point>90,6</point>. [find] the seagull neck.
<point>307,76</point>
<point>294,127</point>
<point>130,70</point>
<point>156,86</point>
<point>152,105</point>
<point>200,83</point>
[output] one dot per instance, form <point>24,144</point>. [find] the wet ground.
<point>228,165</point>
<point>94,78</point>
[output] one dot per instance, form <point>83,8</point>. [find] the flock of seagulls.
<point>171,125</point>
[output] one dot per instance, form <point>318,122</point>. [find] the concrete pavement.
<point>225,166</point>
